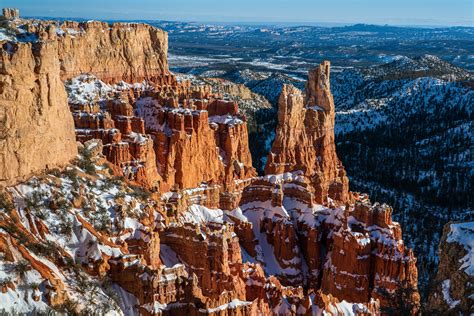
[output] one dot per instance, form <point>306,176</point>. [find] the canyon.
<point>128,189</point>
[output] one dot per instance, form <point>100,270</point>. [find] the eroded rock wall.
<point>130,52</point>
<point>37,129</point>
<point>212,238</point>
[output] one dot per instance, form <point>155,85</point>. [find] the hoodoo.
<point>305,137</point>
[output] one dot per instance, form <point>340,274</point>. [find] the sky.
<point>394,12</point>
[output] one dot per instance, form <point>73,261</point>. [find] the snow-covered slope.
<point>408,142</point>
<point>56,236</point>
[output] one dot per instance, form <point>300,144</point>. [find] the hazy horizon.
<point>430,13</point>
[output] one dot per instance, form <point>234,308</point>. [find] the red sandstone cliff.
<point>92,47</point>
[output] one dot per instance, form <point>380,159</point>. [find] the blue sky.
<point>397,12</point>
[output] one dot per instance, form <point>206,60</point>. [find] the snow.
<point>5,37</point>
<point>168,256</point>
<point>231,305</point>
<point>391,102</point>
<point>315,108</point>
<point>137,137</point>
<point>446,285</point>
<point>284,307</point>
<point>255,212</point>
<point>127,301</point>
<point>20,300</point>
<point>87,88</point>
<point>202,215</point>
<point>285,177</point>
<point>463,234</point>
<point>225,119</point>
<point>388,59</point>
<point>258,62</point>
<point>65,230</point>
<point>237,213</point>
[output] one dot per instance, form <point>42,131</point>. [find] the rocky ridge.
<point>454,291</point>
<point>164,209</point>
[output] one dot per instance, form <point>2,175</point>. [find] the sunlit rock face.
<point>36,130</point>
<point>308,229</point>
<point>305,137</point>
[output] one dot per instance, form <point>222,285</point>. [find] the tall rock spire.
<point>318,87</point>
<point>305,137</point>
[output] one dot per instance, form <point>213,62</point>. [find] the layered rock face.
<point>453,294</point>
<point>167,135</point>
<point>36,130</point>
<point>91,47</point>
<point>108,116</point>
<point>200,141</point>
<point>32,93</point>
<point>305,137</point>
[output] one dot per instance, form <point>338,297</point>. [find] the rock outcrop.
<point>31,83</point>
<point>203,142</point>
<point>305,137</point>
<point>197,137</point>
<point>92,47</point>
<point>36,130</point>
<point>309,229</point>
<point>453,293</point>
<point>10,13</point>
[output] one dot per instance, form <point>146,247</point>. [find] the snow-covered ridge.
<point>410,98</point>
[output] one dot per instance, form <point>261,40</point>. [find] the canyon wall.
<point>130,52</point>
<point>37,130</point>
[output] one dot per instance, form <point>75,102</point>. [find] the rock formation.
<point>305,137</point>
<point>163,201</point>
<point>10,13</point>
<point>32,93</point>
<point>205,142</point>
<point>453,294</point>
<point>91,48</point>
<point>36,130</point>
<point>303,214</point>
